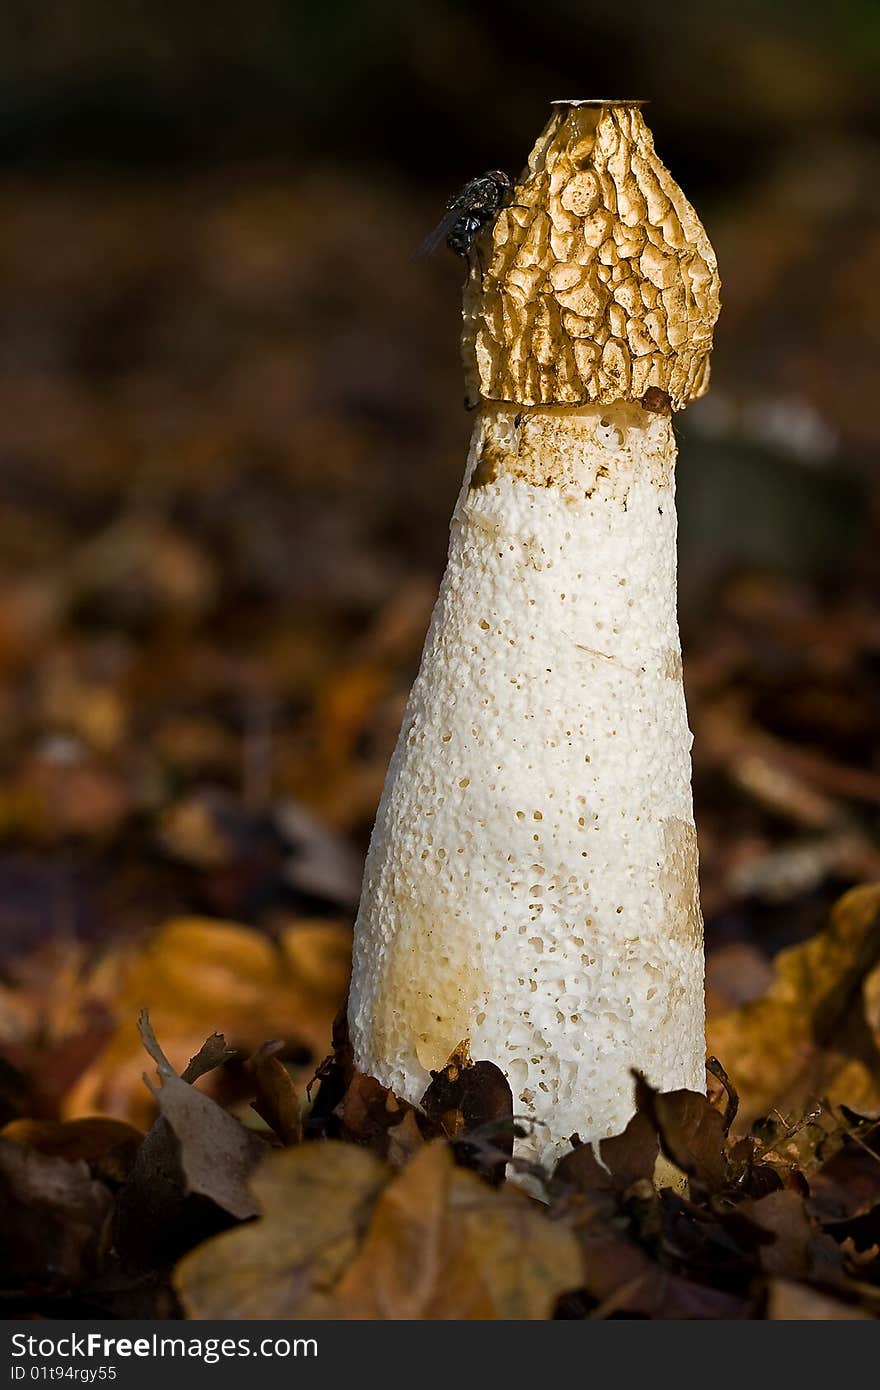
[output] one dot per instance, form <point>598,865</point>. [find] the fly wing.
<point>442,228</point>
<point>454,210</point>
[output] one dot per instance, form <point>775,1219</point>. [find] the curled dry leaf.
<point>807,1037</point>
<point>212,1053</point>
<point>276,1102</point>
<point>369,1113</point>
<point>195,1154</point>
<point>216,1153</point>
<point>472,1105</point>
<point>691,1133</point>
<point>719,1086</point>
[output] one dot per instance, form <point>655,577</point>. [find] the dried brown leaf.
<point>216,1153</point>
<point>807,1036</point>
<point>405,1140</point>
<point>315,1201</point>
<point>784,1216</point>
<point>191,1174</point>
<point>109,1147</point>
<point>626,1158</point>
<point>622,1277</point>
<point>55,1220</point>
<point>788,1301</point>
<point>368,1113</point>
<point>443,1245</point>
<point>472,1099</point>
<point>863,1230</point>
<point>691,1132</point>
<point>214,1052</point>
<point>276,1100</point>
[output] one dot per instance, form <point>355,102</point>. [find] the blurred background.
<point>231,435</point>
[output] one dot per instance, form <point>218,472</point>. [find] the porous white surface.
<point>531,882</point>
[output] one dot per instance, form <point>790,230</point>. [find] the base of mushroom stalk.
<point>531,884</point>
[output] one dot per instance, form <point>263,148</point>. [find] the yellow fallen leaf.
<point>198,976</point>
<point>871,993</point>
<point>316,1201</point>
<point>443,1245</point>
<point>791,1302</point>
<point>806,1039</point>
<point>340,1237</point>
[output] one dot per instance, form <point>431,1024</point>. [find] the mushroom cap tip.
<point>597,281</point>
<point>600,101</point>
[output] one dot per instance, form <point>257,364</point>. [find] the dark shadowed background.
<point>231,435</point>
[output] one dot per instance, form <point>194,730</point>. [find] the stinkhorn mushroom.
<point>531,884</point>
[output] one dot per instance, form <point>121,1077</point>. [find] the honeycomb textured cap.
<point>597,283</point>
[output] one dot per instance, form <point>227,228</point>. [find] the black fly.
<point>468,212</point>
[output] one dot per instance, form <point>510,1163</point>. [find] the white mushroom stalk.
<point>531,884</point>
